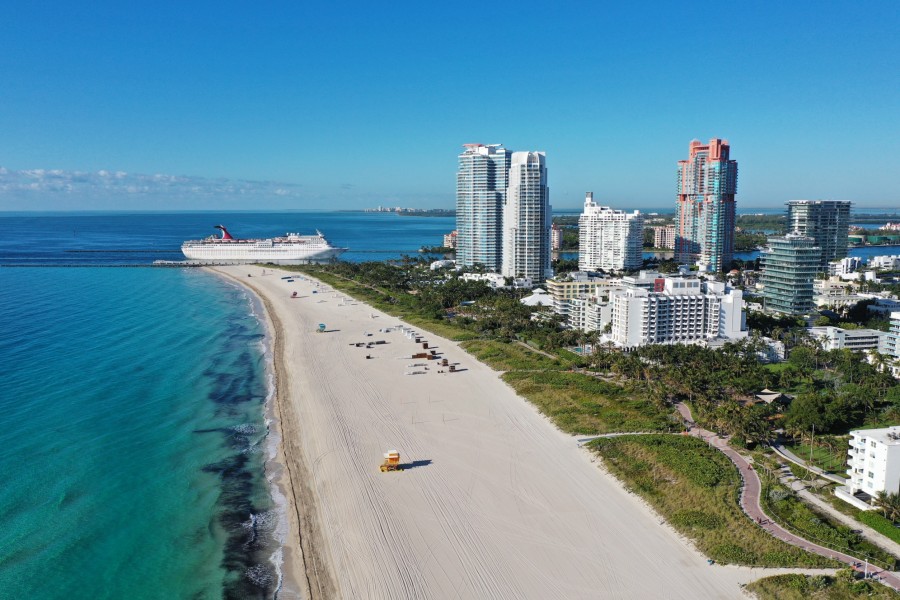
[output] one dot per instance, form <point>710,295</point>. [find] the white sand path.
<point>507,507</point>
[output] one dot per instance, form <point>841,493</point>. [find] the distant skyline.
<point>282,106</point>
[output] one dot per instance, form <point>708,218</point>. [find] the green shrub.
<point>880,524</point>
<point>843,586</point>
<point>581,404</point>
<point>818,527</point>
<point>697,518</point>
<point>695,487</point>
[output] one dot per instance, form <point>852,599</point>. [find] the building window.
<point>871,475</point>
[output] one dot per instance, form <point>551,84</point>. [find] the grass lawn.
<point>832,461</point>
<point>696,489</point>
<point>582,404</point>
<point>817,587</point>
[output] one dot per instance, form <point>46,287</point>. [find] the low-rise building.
<point>883,306</point>
<point>592,313</point>
<point>885,262</point>
<point>873,465</point>
<point>834,292</point>
<point>837,338</point>
<point>443,264</point>
<point>850,264</point>
<point>890,343</point>
<point>579,284</point>
<point>498,281</point>
<point>773,351</point>
<point>538,297</point>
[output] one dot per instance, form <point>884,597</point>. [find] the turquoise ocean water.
<point>132,422</point>
<point>132,436</point>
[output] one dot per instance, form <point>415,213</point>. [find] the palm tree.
<point>889,504</point>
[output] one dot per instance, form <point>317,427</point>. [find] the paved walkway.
<point>880,540</point>
<point>788,455</point>
<point>750,504</point>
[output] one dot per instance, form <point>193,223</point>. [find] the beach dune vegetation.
<point>696,488</point>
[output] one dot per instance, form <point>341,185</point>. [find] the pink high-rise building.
<point>556,236</point>
<point>705,213</point>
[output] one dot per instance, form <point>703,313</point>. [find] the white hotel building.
<point>677,311</point>
<point>873,465</point>
<point>654,309</point>
<point>611,240</point>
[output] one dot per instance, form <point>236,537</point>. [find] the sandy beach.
<point>495,502</point>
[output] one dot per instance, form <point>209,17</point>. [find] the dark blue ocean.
<point>132,404</point>
<point>131,238</point>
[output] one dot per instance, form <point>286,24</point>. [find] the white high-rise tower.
<point>611,240</point>
<point>527,218</point>
<point>481,182</point>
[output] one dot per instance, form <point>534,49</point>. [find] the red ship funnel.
<point>225,234</point>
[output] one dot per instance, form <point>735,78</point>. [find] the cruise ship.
<point>291,249</point>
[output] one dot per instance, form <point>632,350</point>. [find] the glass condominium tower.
<point>826,221</point>
<point>789,266</point>
<point>527,218</point>
<point>705,212</point>
<point>481,182</point>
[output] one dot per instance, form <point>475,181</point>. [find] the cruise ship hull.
<point>286,258</point>
<point>292,249</point>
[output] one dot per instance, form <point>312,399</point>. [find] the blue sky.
<point>358,104</point>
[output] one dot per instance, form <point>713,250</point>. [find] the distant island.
<point>414,212</point>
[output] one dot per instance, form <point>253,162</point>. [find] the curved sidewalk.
<point>788,455</point>
<point>750,503</point>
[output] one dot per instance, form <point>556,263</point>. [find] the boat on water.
<point>290,249</point>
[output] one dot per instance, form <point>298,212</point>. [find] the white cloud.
<point>106,186</point>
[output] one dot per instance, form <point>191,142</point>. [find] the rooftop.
<point>887,435</point>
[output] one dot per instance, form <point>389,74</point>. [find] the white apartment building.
<point>850,264</point>
<point>873,465</point>
<point>579,284</point>
<point>883,306</point>
<point>526,219</point>
<point>611,240</point>
<point>498,281</point>
<point>836,338</point>
<point>884,262</point>
<point>590,313</point>
<point>890,343</point>
<point>664,236</point>
<point>834,291</point>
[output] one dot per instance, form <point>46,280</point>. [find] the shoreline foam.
<point>296,578</point>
